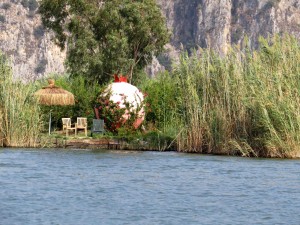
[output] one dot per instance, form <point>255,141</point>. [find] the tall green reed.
<point>20,118</point>
<point>246,103</point>
<point>161,95</point>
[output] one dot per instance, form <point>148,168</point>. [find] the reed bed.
<point>20,117</point>
<point>161,118</point>
<point>246,103</point>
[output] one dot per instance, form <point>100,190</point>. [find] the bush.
<point>151,140</point>
<point>84,93</point>
<point>110,112</point>
<point>161,92</point>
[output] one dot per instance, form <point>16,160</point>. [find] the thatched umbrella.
<point>54,95</point>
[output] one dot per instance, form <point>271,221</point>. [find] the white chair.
<point>68,126</point>
<point>81,124</point>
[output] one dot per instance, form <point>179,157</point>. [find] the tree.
<point>106,37</point>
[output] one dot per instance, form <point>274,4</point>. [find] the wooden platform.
<point>92,143</point>
<point>81,142</point>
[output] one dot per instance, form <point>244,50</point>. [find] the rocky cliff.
<point>24,40</point>
<point>220,23</point>
<point>214,23</point>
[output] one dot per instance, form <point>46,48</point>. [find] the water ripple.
<point>116,187</point>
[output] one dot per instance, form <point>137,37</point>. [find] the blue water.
<point>123,187</point>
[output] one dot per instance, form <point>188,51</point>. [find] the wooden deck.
<point>92,144</point>
<point>82,142</point>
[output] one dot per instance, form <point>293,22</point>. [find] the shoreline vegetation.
<point>20,115</point>
<point>246,103</point>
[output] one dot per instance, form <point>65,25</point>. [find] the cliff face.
<point>220,23</point>
<point>214,23</point>
<point>24,40</point>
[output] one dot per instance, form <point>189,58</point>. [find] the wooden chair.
<point>81,124</point>
<point>98,126</point>
<point>68,126</point>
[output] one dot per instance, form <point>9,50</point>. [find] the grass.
<point>20,117</point>
<point>246,103</point>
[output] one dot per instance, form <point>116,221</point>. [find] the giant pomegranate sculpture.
<point>125,97</point>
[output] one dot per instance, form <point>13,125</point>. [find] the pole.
<point>50,123</point>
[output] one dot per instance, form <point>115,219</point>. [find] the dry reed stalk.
<point>246,103</point>
<point>20,117</point>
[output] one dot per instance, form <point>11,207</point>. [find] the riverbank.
<point>113,143</point>
<point>59,140</point>
<point>102,143</point>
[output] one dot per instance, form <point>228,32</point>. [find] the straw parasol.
<point>54,95</point>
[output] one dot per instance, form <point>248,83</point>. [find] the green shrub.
<point>84,93</point>
<point>161,96</point>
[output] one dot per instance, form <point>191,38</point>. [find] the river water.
<point>126,187</point>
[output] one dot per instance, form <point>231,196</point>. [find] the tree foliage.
<point>106,37</point>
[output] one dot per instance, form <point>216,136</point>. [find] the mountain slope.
<point>214,23</point>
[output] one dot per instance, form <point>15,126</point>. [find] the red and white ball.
<point>123,92</point>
